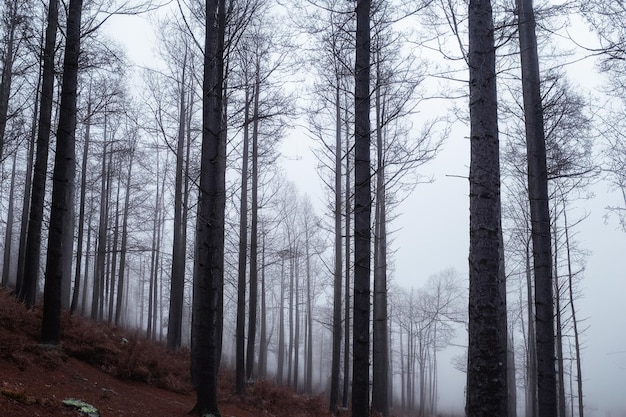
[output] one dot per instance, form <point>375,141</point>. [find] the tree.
<point>62,209</point>
<point>362,214</point>
<point>209,259</point>
<point>539,211</point>
<point>27,292</point>
<point>487,353</point>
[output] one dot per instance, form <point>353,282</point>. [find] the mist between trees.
<point>155,197</point>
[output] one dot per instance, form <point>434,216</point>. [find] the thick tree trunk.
<point>28,292</point>
<point>209,261</point>
<point>539,211</point>
<point>362,214</point>
<point>61,212</point>
<point>487,354</point>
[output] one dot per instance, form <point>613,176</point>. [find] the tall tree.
<point>487,353</point>
<point>177,282</point>
<point>539,210</point>
<point>28,291</point>
<point>62,209</point>
<point>362,213</point>
<point>209,262</point>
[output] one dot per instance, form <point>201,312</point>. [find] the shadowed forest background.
<point>285,184</point>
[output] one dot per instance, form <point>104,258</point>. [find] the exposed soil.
<point>117,373</point>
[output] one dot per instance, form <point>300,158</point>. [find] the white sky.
<point>433,234</point>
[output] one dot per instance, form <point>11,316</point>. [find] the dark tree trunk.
<point>112,266</point>
<point>570,275</point>
<point>263,330</point>
<point>346,304</point>
<point>98,275</point>
<point>61,212</point>
<point>254,238</point>
<point>177,280</point>
<point>380,356</point>
<point>7,68</point>
<point>21,257</point>
<point>81,212</point>
<point>240,372</point>
<point>124,244</point>
<point>362,214</point>
<point>539,211</point>
<point>28,292</point>
<point>281,322</point>
<point>8,238</point>
<point>209,263</point>
<point>487,354</point>
<point>337,324</point>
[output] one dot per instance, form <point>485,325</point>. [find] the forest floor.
<point>118,373</point>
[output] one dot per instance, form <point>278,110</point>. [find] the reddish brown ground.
<point>115,372</point>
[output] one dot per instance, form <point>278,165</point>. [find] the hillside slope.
<point>118,373</point>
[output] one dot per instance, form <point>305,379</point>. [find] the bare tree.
<point>487,353</point>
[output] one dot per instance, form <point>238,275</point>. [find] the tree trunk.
<point>539,211</point>
<point>21,257</point>
<point>240,371</point>
<point>346,305</point>
<point>124,244</point>
<point>61,212</point>
<point>7,68</point>
<point>112,267</point>
<point>281,322</point>
<point>308,385</point>
<point>263,336</point>
<point>362,214</point>
<point>177,279</point>
<point>380,354</point>
<point>81,211</point>
<point>579,375</point>
<point>254,238</point>
<point>6,264</point>
<point>336,354</point>
<point>28,292</point>
<point>209,261</point>
<point>487,353</point>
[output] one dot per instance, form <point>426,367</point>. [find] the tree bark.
<point>81,211</point>
<point>362,214</point>
<point>177,280</point>
<point>539,211</point>
<point>28,292</point>
<point>62,209</point>
<point>380,354</point>
<point>240,336</point>
<point>337,324</point>
<point>254,227</point>
<point>8,238</point>
<point>487,354</point>
<point>7,69</point>
<point>209,261</point>
<point>123,247</point>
